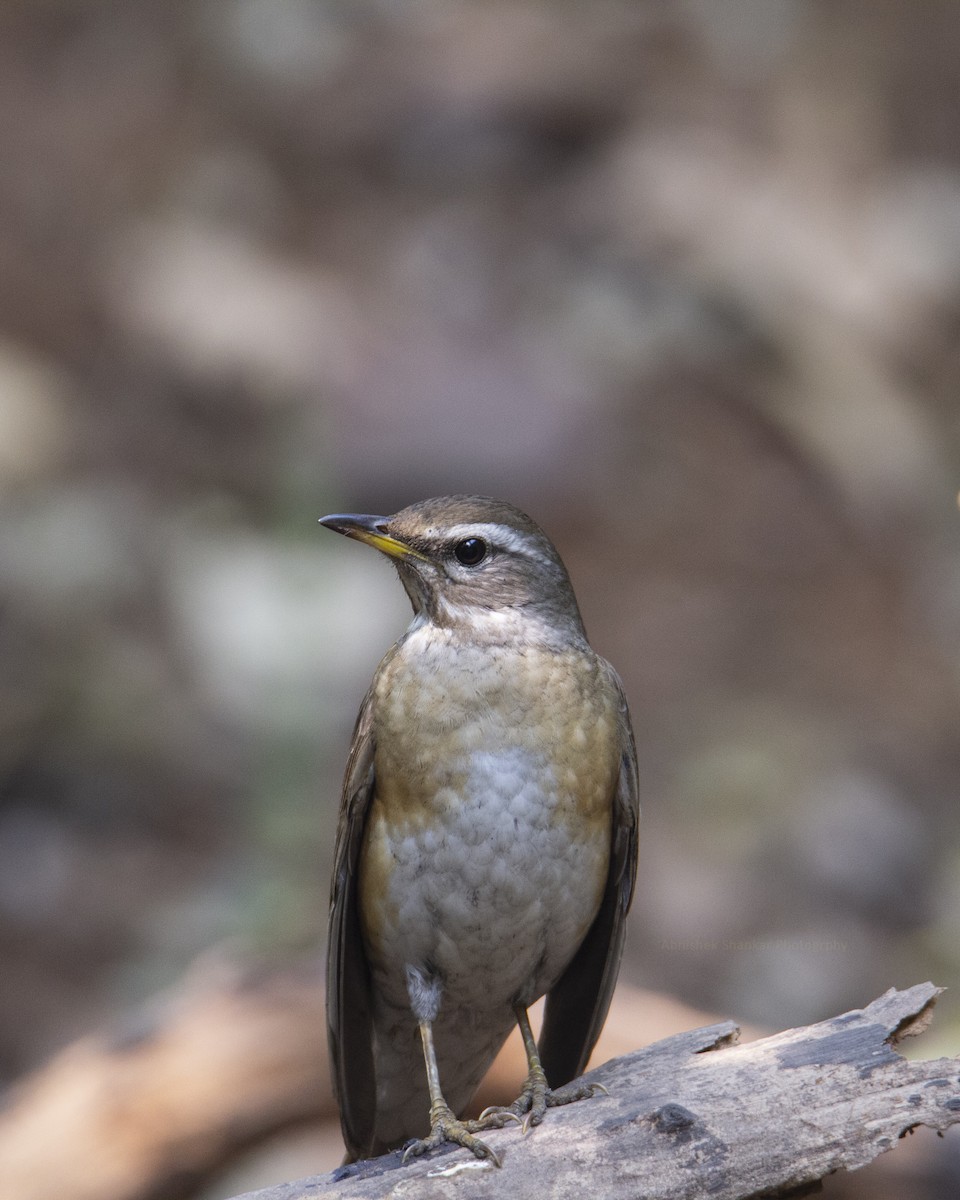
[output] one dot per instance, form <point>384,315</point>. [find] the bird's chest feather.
<point>487,843</point>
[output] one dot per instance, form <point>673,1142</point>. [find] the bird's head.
<point>473,563</point>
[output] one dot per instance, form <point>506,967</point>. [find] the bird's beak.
<point>373,531</point>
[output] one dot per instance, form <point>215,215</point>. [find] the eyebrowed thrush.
<point>486,848</point>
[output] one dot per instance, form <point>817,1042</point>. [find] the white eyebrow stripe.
<point>499,535</point>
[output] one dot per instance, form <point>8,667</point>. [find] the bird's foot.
<point>535,1098</point>
<point>445,1127</point>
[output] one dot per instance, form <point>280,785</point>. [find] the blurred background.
<point>681,278</point>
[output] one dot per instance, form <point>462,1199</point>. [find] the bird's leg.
<point>536,1095</point>
<point>445,1126</point>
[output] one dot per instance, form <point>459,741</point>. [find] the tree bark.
<point>697,1115</point>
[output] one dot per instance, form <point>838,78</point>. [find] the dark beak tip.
<point>352,523</point>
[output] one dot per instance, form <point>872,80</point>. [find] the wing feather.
<point>349,1019</point>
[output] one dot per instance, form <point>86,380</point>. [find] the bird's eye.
<point>470,552</point>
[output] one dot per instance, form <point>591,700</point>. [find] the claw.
<point>495,1116</point>
<point>448,1128</point>
<point>536,1097</point>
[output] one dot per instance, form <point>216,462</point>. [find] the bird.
<point>486,848</point>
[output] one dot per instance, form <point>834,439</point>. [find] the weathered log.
<point>696,1115</point>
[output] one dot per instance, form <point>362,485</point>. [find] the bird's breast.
<point>487,843</point>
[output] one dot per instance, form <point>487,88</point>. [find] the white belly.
<point>495,897</point>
